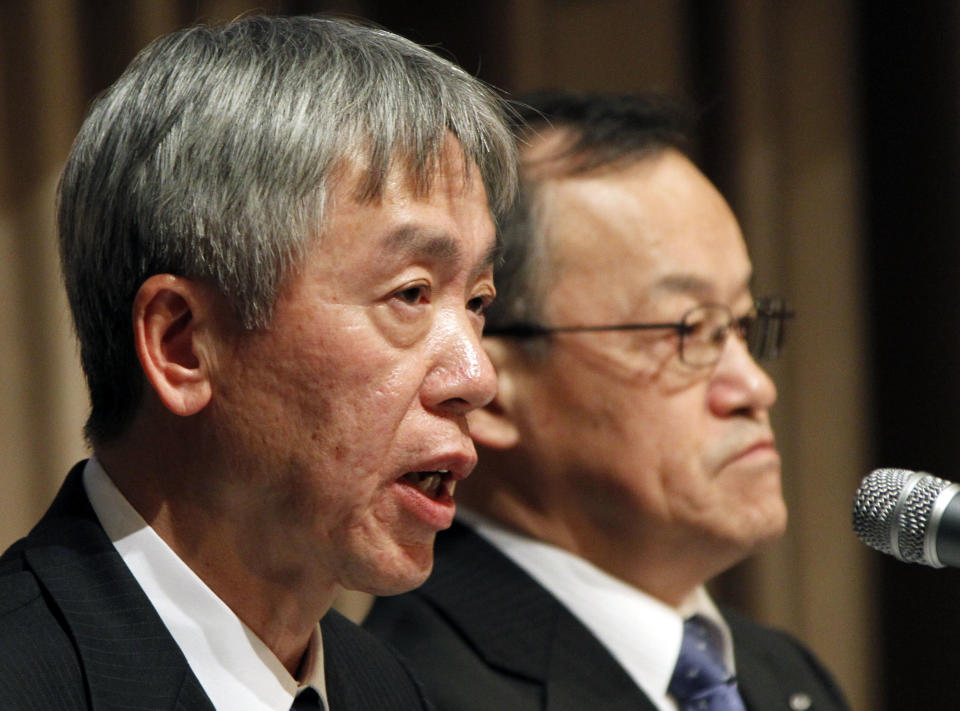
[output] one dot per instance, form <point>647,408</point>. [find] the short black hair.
<point>604,128</point>
<point>603,131</point>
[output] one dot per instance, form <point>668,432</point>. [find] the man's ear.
<point>171,320</point>
<point>493,426</point>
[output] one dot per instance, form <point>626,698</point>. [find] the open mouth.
<point>434,484</point>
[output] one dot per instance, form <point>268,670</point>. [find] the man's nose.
<point>462,378</point>
<point>738,383</point>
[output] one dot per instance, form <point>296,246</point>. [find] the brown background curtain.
<point>831,126</point>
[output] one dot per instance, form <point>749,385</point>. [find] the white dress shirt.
<point>234,667</point>
<point>642,633</point>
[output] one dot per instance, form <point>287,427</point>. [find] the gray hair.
<point>600,132</point>
<point>213,157</point>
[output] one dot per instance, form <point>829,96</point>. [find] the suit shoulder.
<point>755,635</point>
<point>38,662</point>
<point>422,634</point>
<point>399,617</point>
<point>346,635</point>
<point>455,672</point>
<point>18,586</point>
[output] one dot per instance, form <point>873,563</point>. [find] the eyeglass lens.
<point>706,327</point>
<point>765,332</point>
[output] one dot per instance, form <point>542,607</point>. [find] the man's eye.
<point>413,295</point>
<point>479,304</point>
<point>746,324</point>
<point>718,334</point>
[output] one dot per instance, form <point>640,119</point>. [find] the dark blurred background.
<point>830,125</point>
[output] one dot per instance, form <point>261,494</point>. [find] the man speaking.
<point>277,243</point>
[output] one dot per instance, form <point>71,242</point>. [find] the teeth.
<point>429,483</point>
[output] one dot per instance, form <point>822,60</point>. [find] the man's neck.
<point>229,549</point>
<point>667,570</point>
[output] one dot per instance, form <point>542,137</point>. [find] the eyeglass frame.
<point>767,309</point>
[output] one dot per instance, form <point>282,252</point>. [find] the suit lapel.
<point>759,688</point>
<point>584,675</point>
<point>520,628</point>
<point>761,672</point>
<point>127,654</point>
<point>508,618</point>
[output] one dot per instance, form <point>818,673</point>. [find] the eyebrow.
<point>486,263</point>
<point>691,284</point>
<point>418,243</point>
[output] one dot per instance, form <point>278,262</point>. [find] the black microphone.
<point>913,516</point>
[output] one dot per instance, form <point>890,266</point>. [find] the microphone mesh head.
<point>876,515</point>
<point>873,507</point>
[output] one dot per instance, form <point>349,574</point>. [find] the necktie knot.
<point>701,680</point>
<point>308,700</point>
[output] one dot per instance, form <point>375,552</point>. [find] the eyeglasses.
<point>703,330</point>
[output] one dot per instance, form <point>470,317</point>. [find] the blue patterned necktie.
<point>701,681</point>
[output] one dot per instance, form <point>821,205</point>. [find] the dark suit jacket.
<point>78,632</point>
<point>483,635</point>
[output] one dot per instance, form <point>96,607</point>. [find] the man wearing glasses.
<point>628,457</point>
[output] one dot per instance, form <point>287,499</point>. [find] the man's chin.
<point>399,576</point>
<point>770,524</point>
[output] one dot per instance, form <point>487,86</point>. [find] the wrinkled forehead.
<point>655,227</point>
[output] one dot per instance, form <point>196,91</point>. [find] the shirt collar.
<point>234,667</point>
<point>641,632</point>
